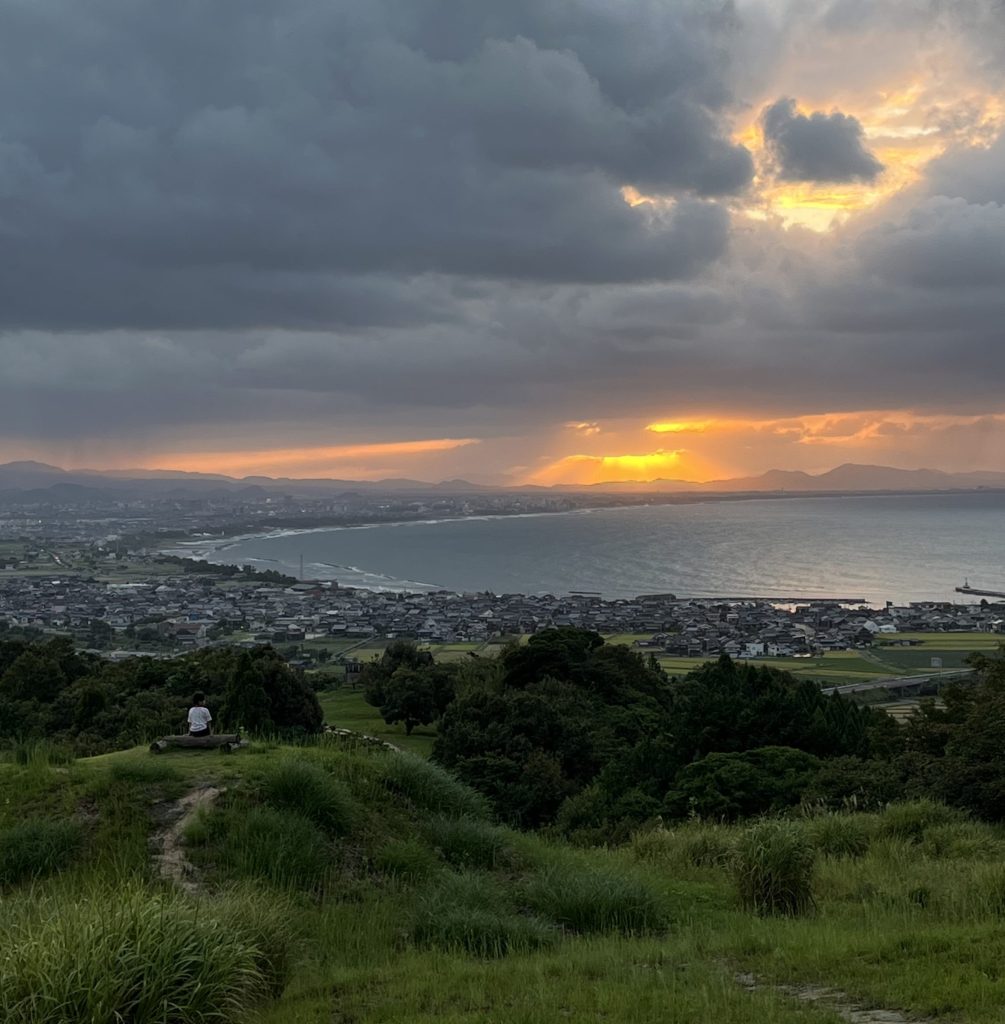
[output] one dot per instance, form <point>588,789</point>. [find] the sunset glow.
<point>305,461</point>
<point>620,242</point>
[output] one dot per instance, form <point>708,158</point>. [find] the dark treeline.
<point>50,691</point>
<point>593,738</point>
<point>197,566</point>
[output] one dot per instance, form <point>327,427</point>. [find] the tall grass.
<point>131,955</point>
<point>470,842</point>
<point>432,788</point>
<point>693,845</point>
<point>910,821</point>
<point>296,785</point>
<point>585,897</point>
<point>41,753</point>
<point>37,848</point>
<point>407,859</point>
<point>471,912</point>
<point>965,840</point>
<point>773,868</point>
<point>279,847</point>
<point>841,835</point>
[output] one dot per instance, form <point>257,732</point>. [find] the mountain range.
<point>42,481</point>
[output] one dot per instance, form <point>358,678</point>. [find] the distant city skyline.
<point>533,243</point>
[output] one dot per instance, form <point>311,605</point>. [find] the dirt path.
<point>166,843</point>
<point>831,999</point>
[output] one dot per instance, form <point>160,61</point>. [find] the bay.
<point>882,547</point>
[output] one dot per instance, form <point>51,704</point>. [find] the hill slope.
<point>351,883</point>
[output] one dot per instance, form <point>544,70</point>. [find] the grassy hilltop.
<point>333,882</point>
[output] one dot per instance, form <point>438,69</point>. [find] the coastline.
<point>219,544</point>
<point>354,564</point>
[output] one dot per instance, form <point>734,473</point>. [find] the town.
<point>170,611</point>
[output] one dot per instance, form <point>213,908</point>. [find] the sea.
<point>878,548</point>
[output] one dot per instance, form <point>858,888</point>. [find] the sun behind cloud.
<point>595,469</point>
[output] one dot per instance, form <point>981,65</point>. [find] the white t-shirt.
<point>199,719</point>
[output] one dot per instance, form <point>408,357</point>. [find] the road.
<point>893,683</point>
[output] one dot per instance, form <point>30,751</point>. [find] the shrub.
<point>433,788</point>
<point>839,835</point>
<point>310,791</point>
<point>131,956</point>
<point>469,911</point>
<point>36,848</point>
<point>910,821</point>
<point>584,898</point>
<point>773,868</point>
<point>727,786</point>
<point>406,859</point>
<point>470,842</point>
<point>281,847</point>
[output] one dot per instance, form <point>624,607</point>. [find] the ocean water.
<point>898,548</point>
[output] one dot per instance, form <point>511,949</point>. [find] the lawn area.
<point>347,709</point>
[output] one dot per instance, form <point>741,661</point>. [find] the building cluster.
<point>194,610</point>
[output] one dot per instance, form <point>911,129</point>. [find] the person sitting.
<point>199,718</point>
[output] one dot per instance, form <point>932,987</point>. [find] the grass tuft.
<point>910,821</point>
<point>407,859</point>
<point>41,753</point>
<point>432,788</point>
<point>131,955</point>
<point>586,898</point>
<point>773,868</point>
<point>471,843</point>
<point>840,835</point>
<point>34,849</point>
<point>307,789</point>
<point>694,845</point>
<point>470,911</point>
<point>965,840</point>
<point>280,847</point>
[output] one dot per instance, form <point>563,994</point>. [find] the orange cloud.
<point>680,427</point>
<point>297,461</point>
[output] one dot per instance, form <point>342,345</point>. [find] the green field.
<point>832,668</point>
<point>347,709</point>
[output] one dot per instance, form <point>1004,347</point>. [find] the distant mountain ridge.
<point>40,480</point>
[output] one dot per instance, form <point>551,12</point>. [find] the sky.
<point>531,241</point>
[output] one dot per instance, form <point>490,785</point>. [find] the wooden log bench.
<point>227,742</point>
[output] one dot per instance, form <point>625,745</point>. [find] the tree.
<point>407,685</point>
<point>540,729</point>
<point>725,787</point>
<point>958,749</point>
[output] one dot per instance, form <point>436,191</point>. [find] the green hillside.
<point>334,882</point>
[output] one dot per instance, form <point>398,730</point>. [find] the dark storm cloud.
<point>231,164</point>
<point>818,146</point>
<point>254,223</point>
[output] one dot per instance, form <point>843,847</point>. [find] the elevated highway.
<point>903,684</point>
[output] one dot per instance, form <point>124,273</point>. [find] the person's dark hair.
<point>198,698</point>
